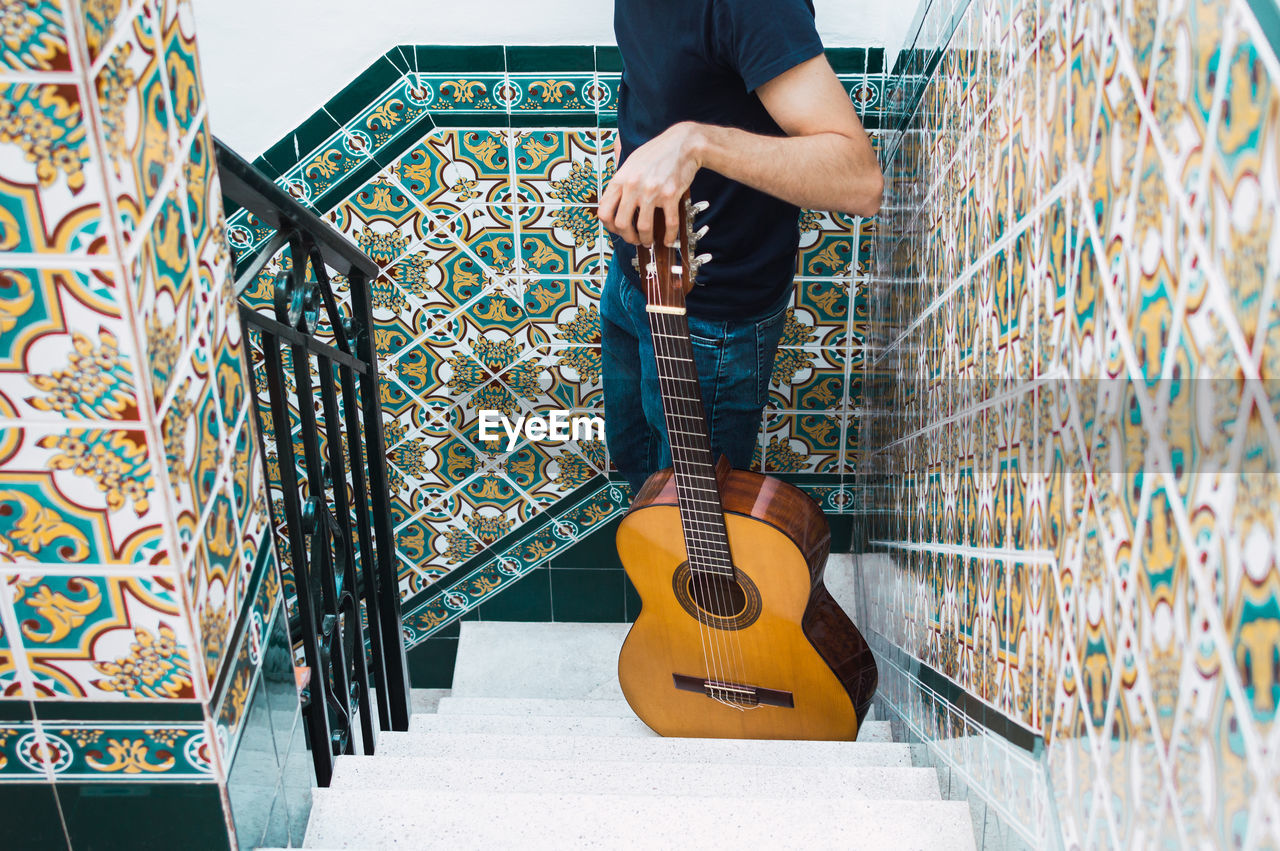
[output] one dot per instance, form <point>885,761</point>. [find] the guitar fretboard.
<point>701,513</point>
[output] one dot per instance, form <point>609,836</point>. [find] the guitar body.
<point>783,633</point>
<point>737,637</point>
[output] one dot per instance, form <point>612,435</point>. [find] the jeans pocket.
<point>706,332</point>
<point>768,336</point>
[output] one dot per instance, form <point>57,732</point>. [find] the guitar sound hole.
<point>717,601</point>
<point>719,596</point>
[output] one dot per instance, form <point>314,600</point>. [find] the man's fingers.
<point>624,219</point>
<point>671,218</point>
<point>644,222</point>
<point>608,208</point>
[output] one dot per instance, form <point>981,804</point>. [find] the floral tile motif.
<point>52,202</point>
<point>801,443</point>
<point>103,637</point>
<point>218,580</point>
<point>557,167</point>
<point>169,304</point>
<point>22,751</point>
<point>119,752</point>
<point>79,496</point>
<point>36,37</point>
<point>182,64</point>
<point>452,169</point>
<point>808,380</point>
<point>561,93</point>
<point>64,351</point>
<point>440,606</point>
<point>1060,540</point>
<point>100,20</point>
<point>137,129</point>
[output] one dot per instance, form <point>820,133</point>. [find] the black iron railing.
<point>335,498</point>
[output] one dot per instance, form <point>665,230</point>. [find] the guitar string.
<point>652,283</point>
<point>670,328</point>
<point>703,552</point>
<point>720,527</point>
<point>676,326</point>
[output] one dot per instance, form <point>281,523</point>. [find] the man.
<point>735,101</point>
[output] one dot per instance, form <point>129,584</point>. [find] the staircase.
<point>534,747</point>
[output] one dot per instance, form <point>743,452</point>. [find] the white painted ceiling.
<point>269,64</point>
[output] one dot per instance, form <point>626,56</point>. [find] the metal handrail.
<point>340,573</point>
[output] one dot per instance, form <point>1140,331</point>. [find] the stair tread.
<point>596,707</point>
<point>750,779</point>
<point>550,820</point>
<point>588,747</point>
<point>538,725</point>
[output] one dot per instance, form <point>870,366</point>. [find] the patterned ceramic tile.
<point>36,38</point>
<point>65,353</point>
<point>1059,553</point>
<point>104,637</point>
<point>80,495</point>
<point>137,129</point>
<point>52,199</point>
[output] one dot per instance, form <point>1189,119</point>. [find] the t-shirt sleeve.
<point>763,38</point>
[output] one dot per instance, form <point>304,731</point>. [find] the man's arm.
<point>825,161</point>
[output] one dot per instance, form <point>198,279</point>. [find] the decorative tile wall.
<point>1072,440</point>
<point>137,582</point>
<point>471,176</point>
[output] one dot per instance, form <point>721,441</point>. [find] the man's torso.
<point>692,60</point>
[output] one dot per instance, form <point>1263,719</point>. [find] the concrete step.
<point>581,725</point>
<point>410,818</point>
<point>535,706</point>
<point>437,745</point>
<point>556,660</point>
<point>619,777</point>
<point>449,705</point>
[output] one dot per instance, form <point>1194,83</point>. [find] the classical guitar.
<point>737,636</point>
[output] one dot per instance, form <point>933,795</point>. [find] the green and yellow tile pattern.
<point>137,578</point>
<point>1072,361</point>
<point>471,176</point>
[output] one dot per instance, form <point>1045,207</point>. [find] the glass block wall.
<point>1073,372</point>
<point>141,629</point>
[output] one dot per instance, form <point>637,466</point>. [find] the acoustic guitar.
<point>737,636</point>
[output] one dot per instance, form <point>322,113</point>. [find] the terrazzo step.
<point>552,706</point>
<point>535,706</point>
<point>556,660</point>
<point>493,819</point>
<point>435,745</point>
<point>694,779</point>
<point>560,725</point>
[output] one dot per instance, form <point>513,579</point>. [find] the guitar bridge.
<point>735,693</point>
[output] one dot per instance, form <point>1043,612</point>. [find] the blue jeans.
<point>734,359</point>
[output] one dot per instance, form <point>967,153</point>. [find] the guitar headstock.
<point>668,279</point>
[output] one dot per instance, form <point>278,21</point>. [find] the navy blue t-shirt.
<point>702,60</point>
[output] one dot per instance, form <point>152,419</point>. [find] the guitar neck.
<point>701,513</point>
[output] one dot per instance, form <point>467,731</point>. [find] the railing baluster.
<point>387,589</point>
<point>343,580</point>
<point>318,729</point>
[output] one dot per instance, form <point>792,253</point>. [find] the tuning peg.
<point>699,206</point>
<point>695,264</point>
<point>635,263</point>
<point>702,231</point>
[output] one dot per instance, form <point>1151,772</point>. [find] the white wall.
<point>268,64</point>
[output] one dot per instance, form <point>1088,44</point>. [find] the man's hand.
<point>655,176</point>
